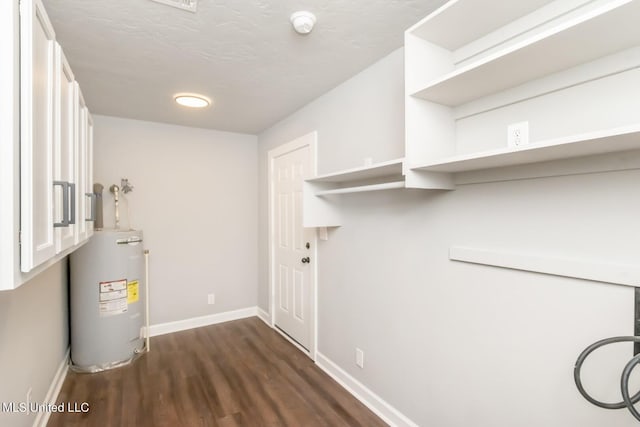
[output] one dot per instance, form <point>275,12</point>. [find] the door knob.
<point>306,260</point>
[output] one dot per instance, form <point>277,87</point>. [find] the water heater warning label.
<point>113,298</point>
<point>132,291</point>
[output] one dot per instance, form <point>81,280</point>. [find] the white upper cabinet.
<point>55,151</point>
<point>37,101</point>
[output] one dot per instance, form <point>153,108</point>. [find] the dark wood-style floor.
<point>240,373</point>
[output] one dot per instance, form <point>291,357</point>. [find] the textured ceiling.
<point>132,56</point>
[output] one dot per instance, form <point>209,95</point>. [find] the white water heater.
<point>107,301</point>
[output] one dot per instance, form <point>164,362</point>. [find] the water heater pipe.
<point>115,190</point>
<point>146,299</point>
<point>98,215</point>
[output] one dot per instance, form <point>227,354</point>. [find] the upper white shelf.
<point>569,43</point>
<point>609,141</point>
<point>376,170</point>
<point>362,188</point>
<point>438,27</point>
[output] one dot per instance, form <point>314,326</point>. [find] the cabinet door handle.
<point>65,203</point>
<point>72,206</point>
<point>92,216</point>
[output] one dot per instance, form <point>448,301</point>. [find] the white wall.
<point>195,198</point>
<point>34,339</point>
<point>449,343</point>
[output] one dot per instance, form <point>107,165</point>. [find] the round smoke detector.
<point>303,21</point>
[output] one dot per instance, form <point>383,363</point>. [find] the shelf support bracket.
<point>429,180</point>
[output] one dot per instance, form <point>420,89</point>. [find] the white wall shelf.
<point>469,76</point>
<point>544,52</point>
<point>377,170</point>
<point>557,265</point>
<point>438,30</point>
<point>319,211</point>
<point>322,211</point>
<point>363,188</point>
<point>607,141</point>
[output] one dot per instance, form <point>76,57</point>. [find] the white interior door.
<point>292,250</point>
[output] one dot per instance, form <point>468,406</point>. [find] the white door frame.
<point>309,140</point>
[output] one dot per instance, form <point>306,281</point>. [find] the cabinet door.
<point>9,141</point>
<point>65,152</point>
<point>88,170</point>
<point>37,94</point>
<point>86,207</point>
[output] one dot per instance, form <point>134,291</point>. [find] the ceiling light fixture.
<point>303,21</point>
<point>192,101</point>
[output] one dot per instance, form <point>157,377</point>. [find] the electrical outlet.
<point>211,299</point>
<point>359,358</point>
<point>518,134</point>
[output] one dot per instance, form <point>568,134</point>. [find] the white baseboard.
<point>381,408</point>
<point>197,322</point>
<point>42,417</point>
<point>264,316</point>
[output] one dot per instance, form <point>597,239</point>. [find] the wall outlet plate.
<point>211,299</point>
<point>518,134</point>
<point>359,358</point>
